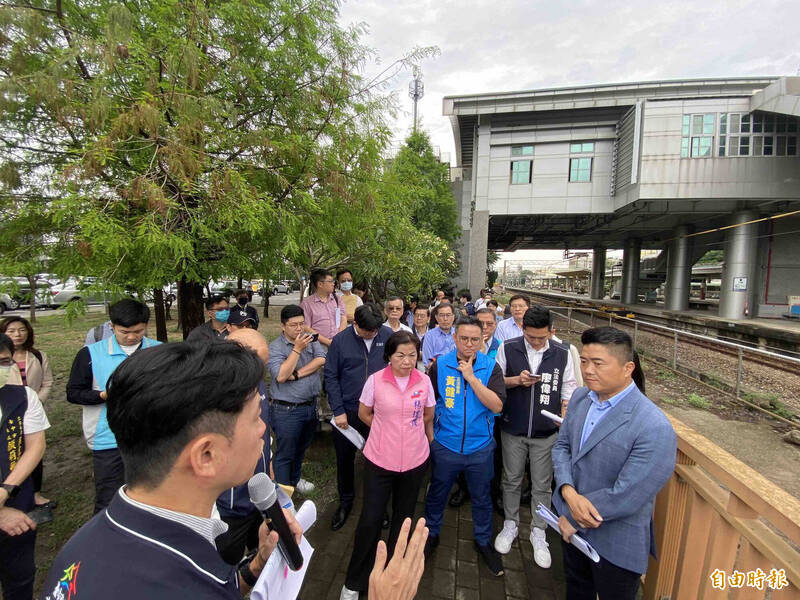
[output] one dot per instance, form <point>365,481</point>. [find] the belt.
<point>286,403</point>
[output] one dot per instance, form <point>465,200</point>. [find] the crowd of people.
<point>450,393</point>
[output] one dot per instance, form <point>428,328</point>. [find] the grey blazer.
<point>625,462</point>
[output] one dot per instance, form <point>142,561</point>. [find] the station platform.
<point>782,334</point>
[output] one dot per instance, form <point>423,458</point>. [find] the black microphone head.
<point>262,491</point>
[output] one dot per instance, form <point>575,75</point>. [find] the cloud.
<point>505,45</point>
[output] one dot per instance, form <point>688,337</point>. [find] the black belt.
<point>285,403</point>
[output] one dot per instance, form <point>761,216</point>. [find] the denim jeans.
<point>478,469</point>
<point>294,428</point>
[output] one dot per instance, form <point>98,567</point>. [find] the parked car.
<point>74,289</point>
<point>15,292</point>
<point>280,287</point>
<point>7,303</point>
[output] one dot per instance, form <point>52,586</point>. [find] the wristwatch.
<point>12,490</point>
<point>244,569</point>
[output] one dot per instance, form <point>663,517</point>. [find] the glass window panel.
<point>744,145</point>
<point>587,147</point>
<point>758,144</point>
<point>758,123</point>
<point>768,145</point>
<point>695,146</point>
<point>521,150</point>
<point>780,147</point>
<point>745,124</point>
<point>733,145</point>
<point>708,123</point>
<point>723,123</point>
<point>697,124</point>
<point>722,141</point>
<point>734,128</point>
<point>575,147</point>
<point>684,147</point>
<point>791,124</point>
<point>780,124</point>
<point>705,146</point>
<point>769,124</point>
<point>686,121</point>
<point>791,145</point>
<point>580,169</point>
<point>521,171</point>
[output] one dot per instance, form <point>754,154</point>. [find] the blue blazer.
<point>625,462</point>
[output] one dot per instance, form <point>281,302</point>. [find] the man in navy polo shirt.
<point>187,420</point>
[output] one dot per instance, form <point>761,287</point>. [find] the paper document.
<point>581,544</point>
<point>351,433</point>
<point>277,581</point>
<point>552,416</point>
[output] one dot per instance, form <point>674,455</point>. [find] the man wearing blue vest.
<point>92,367</point>
<point>539,375</point>
<point>469,393</point>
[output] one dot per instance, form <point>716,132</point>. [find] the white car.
<point>7,303</point>
<point>74,289</point>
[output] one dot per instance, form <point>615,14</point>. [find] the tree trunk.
<point>32,313</point>
<point>239,283</point>
<point>267,293</point>
<point>190,305</point>
<point>161,319</point>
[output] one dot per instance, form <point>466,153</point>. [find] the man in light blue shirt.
<point>598,410</point>
<point>512,328</point>
<point>439,340</point>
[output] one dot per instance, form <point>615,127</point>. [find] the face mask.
<point>222,315</point>
<point>347,286</point>
<point>242,301</point>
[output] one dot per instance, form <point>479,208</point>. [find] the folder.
<point>351,433</point>
<point>552,416</point>
<point>581,544</point>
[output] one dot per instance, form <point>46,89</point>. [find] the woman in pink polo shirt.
<point>397,403</point>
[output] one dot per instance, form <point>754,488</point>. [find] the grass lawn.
<point>67,461</point>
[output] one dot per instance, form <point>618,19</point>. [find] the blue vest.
<point>13,404</point>
<point>106,357</point>
<point>462,424</point>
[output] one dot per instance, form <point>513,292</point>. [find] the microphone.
<point>264,497</point>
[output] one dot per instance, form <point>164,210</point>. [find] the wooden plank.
<point>669,517</point>
<point>694,541</point>
<point>749,559</point>
<point>723,546</point>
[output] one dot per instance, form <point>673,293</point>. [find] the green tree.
<point>174,139</point>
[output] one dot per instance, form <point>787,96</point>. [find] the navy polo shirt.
<point>127,553</point>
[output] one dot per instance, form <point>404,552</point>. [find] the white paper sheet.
<point>351,433</point>
<point>277,580</point>
<point>581,544</point>
<point>552,416</point>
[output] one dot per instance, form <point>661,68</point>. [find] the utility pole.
<point>416,90</point>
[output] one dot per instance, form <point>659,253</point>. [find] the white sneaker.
<point>304,487</point>
<point>541,554</point>
<point>348,594</point>
<point>504,539</point>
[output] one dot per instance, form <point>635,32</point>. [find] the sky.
<point>508,45</point>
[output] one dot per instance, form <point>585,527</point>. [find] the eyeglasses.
<point>469,340</point>
<point>444,315</point>
<point>327,281</point>
<point>394,308</point>
<point>6,362</point>
<point>299,325</point>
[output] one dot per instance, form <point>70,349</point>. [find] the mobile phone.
<point>314,337</point>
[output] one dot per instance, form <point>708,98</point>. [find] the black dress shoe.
<point>385,523</point>
<point>491,558</point>
<point>340,517</point>
<point>458,498</point>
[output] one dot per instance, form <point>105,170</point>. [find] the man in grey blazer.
<point>614,453</point>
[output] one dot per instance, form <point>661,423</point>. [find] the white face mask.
<point>347,286</point>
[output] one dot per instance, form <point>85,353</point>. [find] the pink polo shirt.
<point>322,316</point>
<point>397,440</point>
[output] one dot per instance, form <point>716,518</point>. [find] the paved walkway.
<point>454,571</point>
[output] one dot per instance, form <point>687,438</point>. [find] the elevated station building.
<point>680,166</point>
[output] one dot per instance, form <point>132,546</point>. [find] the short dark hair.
<point>525,299</point>
<point>128,312</point>
<point>413,298</point>
<point>316,276</point>
<point>290,311</point>
<point>161,398</point>
<point>421,307</point>
<point>241,292</point>
<point>6,343</point>
<point>465,294</point>
<point>28,345</point>
<point>619,342</point>
<point>538,317</point>
<point>215,299</point>
<point>436,309</point>
<point>368,317</point>
<point>493,302</point>
<point>397,339</point>
<point>342,272</point>
<point>485,311</point>
<point>467,320</point>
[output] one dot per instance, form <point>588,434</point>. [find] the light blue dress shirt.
<point>598,411</point>
<point>437,343</point>
<point>507,329</point>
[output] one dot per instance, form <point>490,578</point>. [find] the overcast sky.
<point>506,45</point>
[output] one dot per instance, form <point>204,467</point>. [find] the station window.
<point>581,147</point>
<point>580,169</point>
<point>521,150</point>
<point>697,135</point>
<point>521,171</point>
<point>757,134</point>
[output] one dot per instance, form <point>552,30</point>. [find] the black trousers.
<point>37,475</point>
<point>242,534</point>
<point>345,459</point>
<point>379,484</point>
<point>109,476</point>
<point>17,566</point>
<point>587,580</point>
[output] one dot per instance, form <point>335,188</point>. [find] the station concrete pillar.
<point>737,291</point>
<point>598,273</point>
<point>631,257</point>
<point>679,270</point>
